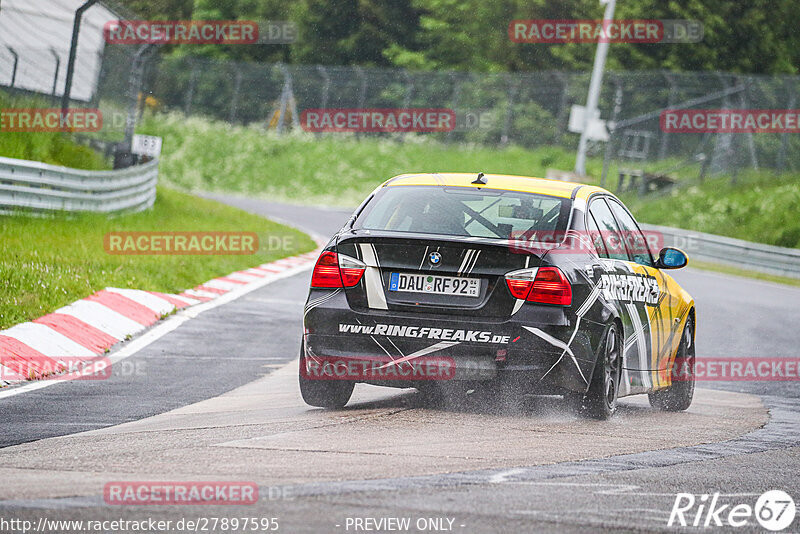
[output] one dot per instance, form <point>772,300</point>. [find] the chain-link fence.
<point>527,109</point>
<point>34,79</point>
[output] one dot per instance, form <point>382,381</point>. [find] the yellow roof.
<point>525,184</point>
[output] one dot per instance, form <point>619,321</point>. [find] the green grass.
<point>55,148</point>
<point>48,263</point>
<point>760,207</point>
<point>205,155</point>
<point>201,155</point>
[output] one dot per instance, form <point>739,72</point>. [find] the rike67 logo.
<point>774,510</point>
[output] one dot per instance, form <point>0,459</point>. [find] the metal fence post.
<point>286,93</point>
<point>14,68</point>
<point>563,113</point>
<point>612,134</point>
<point>662,151</point>
<point>125,158</point>
<point>751,145</point>
<point>326,86</point>
<point>781,162</point>
<point>407,97</point>
<point>73,51</point>
<point>145,73</point>
<point>456,96</point>
<point>100,76</point>
<point>511,92</point>
<point>237,85</point>
<point>362,93</point>
<point>187,107</point>
<point>58,67</point>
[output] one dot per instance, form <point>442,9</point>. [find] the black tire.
<point>449,395</point>
<point>600,401</point>
<point>323,393</point>
<point>430,396</point>
<point>678,396</point>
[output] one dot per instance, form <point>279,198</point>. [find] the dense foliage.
<point>753,36</point>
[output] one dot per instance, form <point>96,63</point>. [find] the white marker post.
<point>594,86</point>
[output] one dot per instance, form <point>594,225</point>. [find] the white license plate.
<point>437,285</point>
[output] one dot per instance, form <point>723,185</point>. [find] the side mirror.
<point>671,258</point>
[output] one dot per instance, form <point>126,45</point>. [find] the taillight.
<point>545,285</point>
<point>551,287</point>
<point>337,270</point>
<point>352,270</point>
<point>520,282</point>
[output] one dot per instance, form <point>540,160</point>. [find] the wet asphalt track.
<point>225,348</point>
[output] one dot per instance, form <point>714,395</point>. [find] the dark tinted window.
<point>608,229</point>
<point>464,212</point>
<point>633,237</point>
<point>596,236</point>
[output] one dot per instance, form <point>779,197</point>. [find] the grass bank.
<point>48,263</point>
<point>54,148</point>
<point>341,170</point>
<point>201,155</point>
<point>761,207</point>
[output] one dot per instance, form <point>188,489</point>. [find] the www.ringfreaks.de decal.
<point>416,332</point>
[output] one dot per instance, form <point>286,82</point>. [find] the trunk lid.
<point>470,272</point>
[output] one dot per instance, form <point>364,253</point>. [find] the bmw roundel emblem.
<point>435,258</point>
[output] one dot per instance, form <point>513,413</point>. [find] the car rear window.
<point>463,211</point>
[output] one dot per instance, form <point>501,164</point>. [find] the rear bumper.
<point>539,345</point>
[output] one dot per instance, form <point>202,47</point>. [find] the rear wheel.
<point>678,396</point>
<point>323,393</point>
<point>600,402</point>
<point>436,394</point>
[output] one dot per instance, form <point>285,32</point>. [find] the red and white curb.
<point>86,329</point>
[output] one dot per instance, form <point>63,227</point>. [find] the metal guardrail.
<point>729,251</point>
<point>30,187</point>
